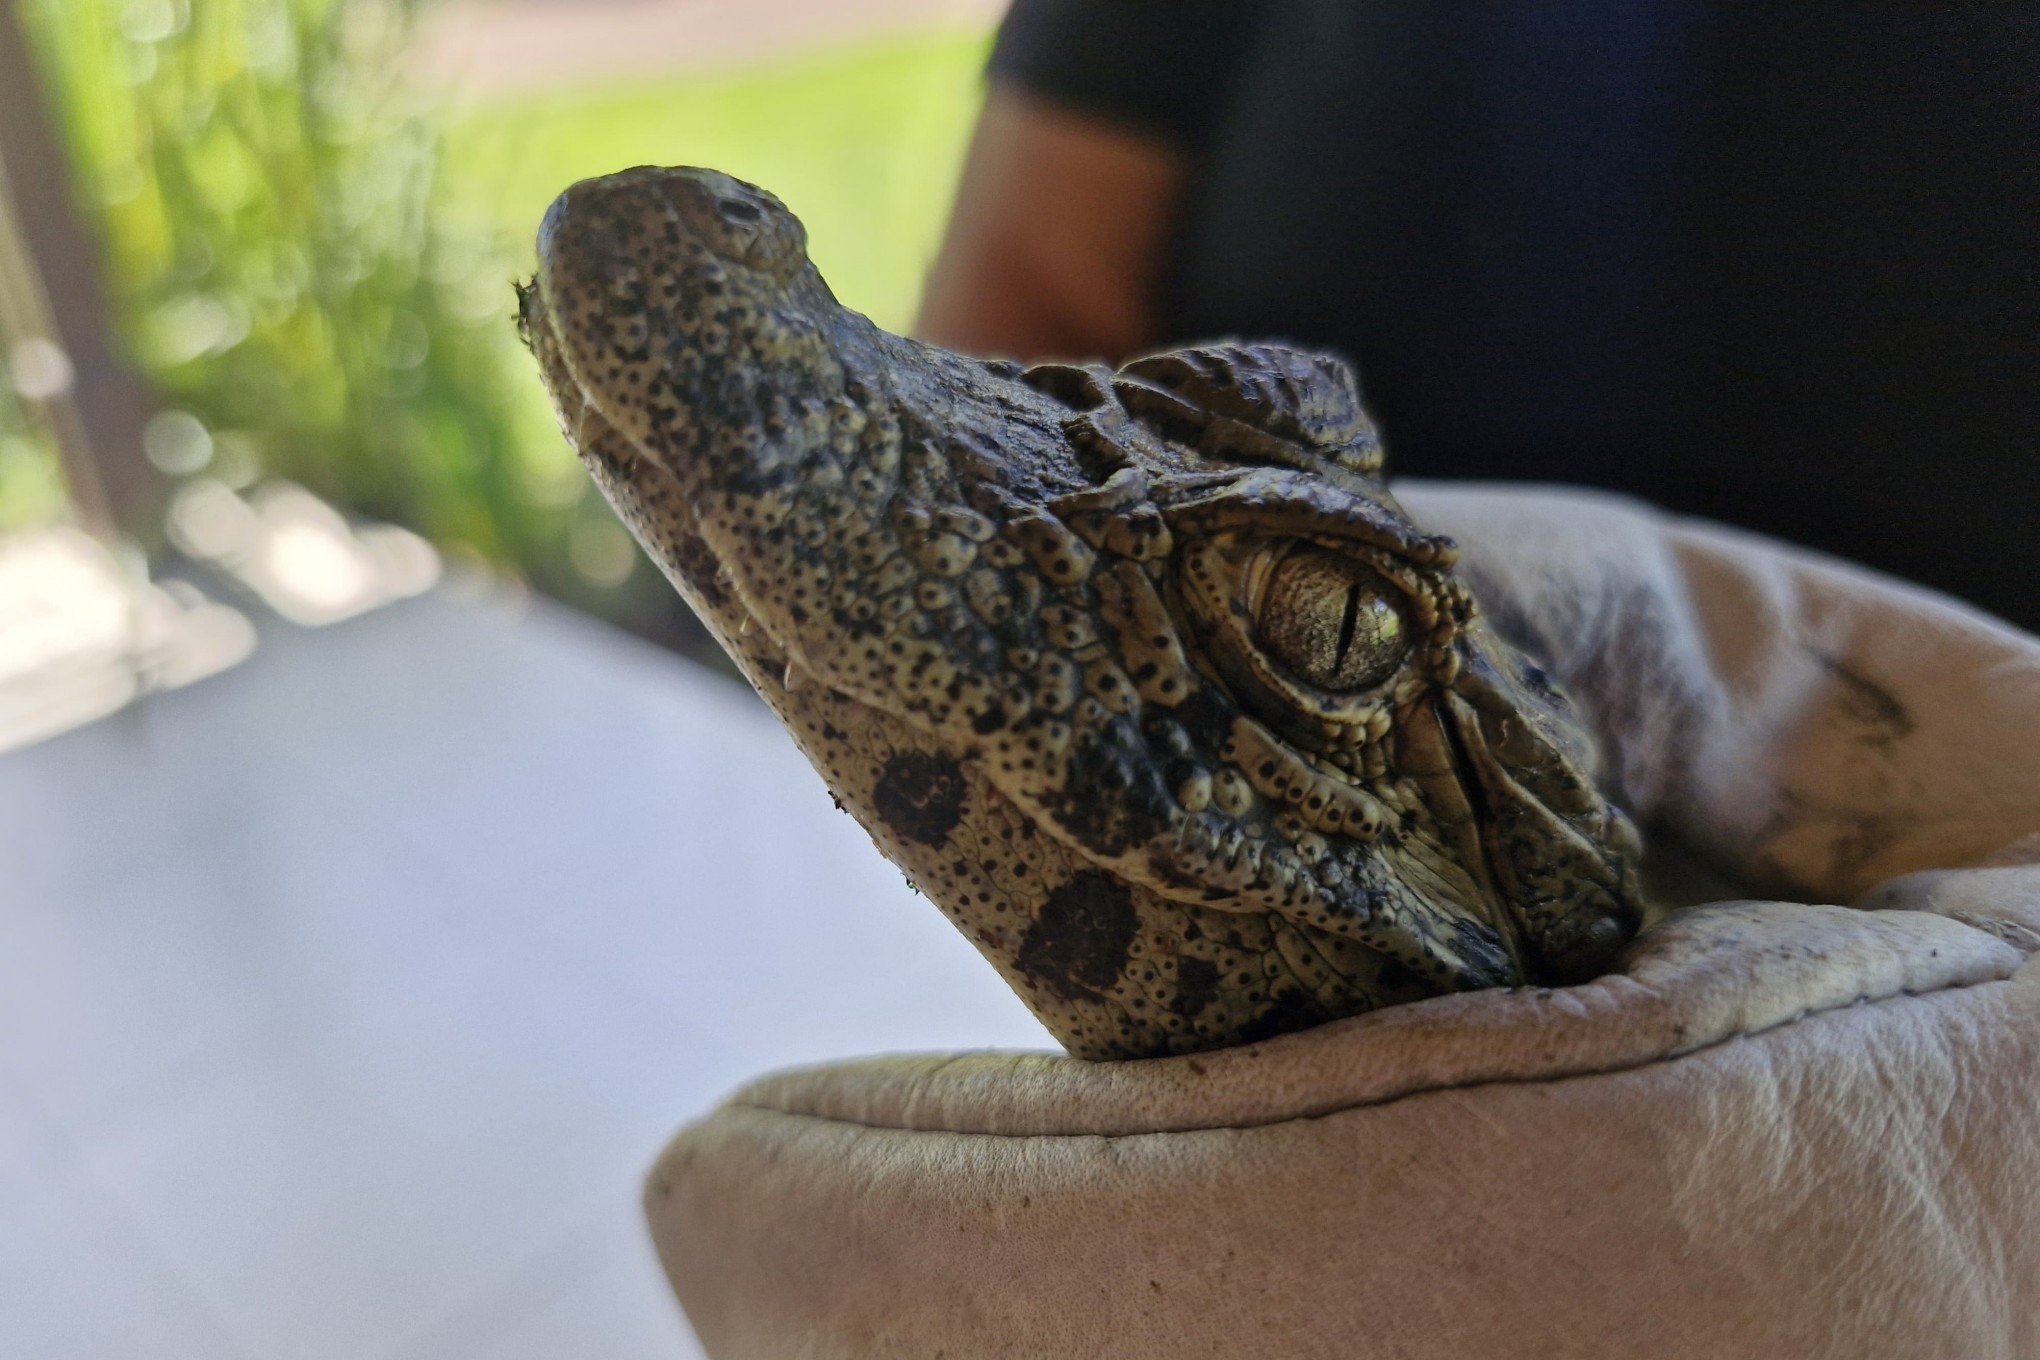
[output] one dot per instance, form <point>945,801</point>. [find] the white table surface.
<point>345,997</point>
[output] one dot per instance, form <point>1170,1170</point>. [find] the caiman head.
<point>1142,676</point>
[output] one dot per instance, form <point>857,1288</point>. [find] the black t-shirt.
<point>1774,264</point>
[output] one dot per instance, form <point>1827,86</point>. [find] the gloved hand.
<point>1784,1128</point>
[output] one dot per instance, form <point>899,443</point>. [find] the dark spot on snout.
<point>920,797</point>
<point>1114,798</point>
<point>1077,946</point>
<point>1396,980</point>
<point>1196,987</point>
<point>1285,1013</point>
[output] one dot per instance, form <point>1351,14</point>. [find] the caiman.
<point>1141,675</point>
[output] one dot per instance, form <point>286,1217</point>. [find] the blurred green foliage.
<point>263,184</point>
<point>314,258</point>
<point>31,487</point>
<point>863,143</point>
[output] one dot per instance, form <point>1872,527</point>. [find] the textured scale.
<point>1059,637</point>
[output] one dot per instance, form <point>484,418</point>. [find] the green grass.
<point>862,143</point>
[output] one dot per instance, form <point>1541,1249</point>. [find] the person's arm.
<point>1057,236</point>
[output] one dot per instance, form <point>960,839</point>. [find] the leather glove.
<point>1801,1120</point>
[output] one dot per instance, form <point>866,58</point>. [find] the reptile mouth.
<point>623,467</point>
<point>591,431</point>
<point>1504,914</point>
<point>1581,940</point>
<point>535,327</point>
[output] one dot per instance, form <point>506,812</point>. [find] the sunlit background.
<point>311,212</point>
<point>372,902</point>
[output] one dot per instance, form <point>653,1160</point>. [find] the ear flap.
<point>1262,403</point>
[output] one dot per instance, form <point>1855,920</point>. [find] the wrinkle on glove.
<point>1809,728</point>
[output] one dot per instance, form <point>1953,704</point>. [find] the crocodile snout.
<point>664,223</point>
<point>1144,676</point>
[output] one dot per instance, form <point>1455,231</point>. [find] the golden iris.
<point>1331,621</point>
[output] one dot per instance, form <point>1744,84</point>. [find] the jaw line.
<point>548,343</point>
<point>1475,851</point>
<point>562,374</point>
<point>1470,756</point>
<point>552,347</point>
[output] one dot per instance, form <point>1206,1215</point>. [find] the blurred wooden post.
<point>50,291</point>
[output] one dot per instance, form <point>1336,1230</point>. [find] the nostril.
<point>737,210</point>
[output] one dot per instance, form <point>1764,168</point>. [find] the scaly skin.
<point>1143,677</point>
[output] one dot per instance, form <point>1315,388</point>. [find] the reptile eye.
<point>1330,621</point>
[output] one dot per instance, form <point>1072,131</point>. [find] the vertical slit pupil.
<point>1347,626</point>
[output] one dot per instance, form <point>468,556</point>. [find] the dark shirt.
<point>1778,265</point>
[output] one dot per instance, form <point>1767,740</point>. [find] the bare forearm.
<point>1056,240</point>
